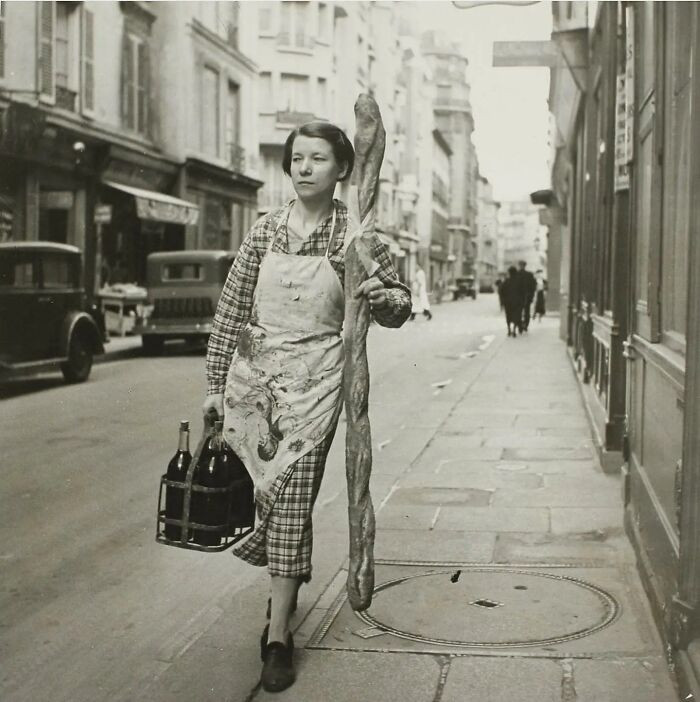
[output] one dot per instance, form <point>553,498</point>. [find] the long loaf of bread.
<point>370,139</point>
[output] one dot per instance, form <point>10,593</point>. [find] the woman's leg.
<point>283,593</point>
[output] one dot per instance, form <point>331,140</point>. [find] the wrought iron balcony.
<point>293,117</point>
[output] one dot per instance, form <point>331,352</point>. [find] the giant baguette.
<point>369,151</point>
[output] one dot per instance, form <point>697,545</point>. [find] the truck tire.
<point>152,344</point>
<point>79,364</point>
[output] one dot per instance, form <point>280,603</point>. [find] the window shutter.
<point>2,39</point>
<point>46,30</point>
<point>127,82</point>
<point>88,60</point>
<point>142,87</point>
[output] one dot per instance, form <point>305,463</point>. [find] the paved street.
<point>93,608</point>
<point>482,458</point>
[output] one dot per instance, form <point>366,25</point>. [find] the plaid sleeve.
<point>235,305</point>
<point>398,306</point>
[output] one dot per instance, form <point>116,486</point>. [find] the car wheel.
<point>152,344</point>
<point>77,368</point>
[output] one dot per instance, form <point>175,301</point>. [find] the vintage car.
<point>45,318</point>
<point>464,287</point>
<point>183,290</point>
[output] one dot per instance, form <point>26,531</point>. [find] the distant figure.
<point>512,301</point>
<point>527,286</point>
<point>420,302</point>
<point>498,282</point>
<point>539,294</point>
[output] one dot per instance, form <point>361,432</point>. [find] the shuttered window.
<point>136,70</point>
<point>47,24</point>
<point>88,61</point>
<point>2,39</point>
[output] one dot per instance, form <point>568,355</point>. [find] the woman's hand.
<point>214,404</point>
<point>373,289</point>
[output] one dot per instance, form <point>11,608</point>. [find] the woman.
<point>421,303</point>
<point>275,363</point>
<point>512,302</point>
<point>540,294</point>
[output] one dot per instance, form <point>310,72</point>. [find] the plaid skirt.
<point>283,536</point>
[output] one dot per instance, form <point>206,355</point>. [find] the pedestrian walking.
<point>527,286</point>
<point>420,301</point>
<point>540,294</point>
<point>275,364</point>
<point>512,302</point>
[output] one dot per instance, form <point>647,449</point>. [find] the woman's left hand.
<point>373,289</point>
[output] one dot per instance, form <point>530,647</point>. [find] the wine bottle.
<point>242,500</point>
<point>177,470</point>
<point>211,508</point>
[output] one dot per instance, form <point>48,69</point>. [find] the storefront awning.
<point>159,207</point>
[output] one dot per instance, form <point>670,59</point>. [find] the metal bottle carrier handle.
<point>231,531</point>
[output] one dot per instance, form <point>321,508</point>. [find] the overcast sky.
<point>509,104</point>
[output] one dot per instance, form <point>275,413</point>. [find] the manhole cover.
<point>482,606</point>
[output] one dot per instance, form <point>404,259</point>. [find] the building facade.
<point>524,237</point>
<point>487,236</point>
<point>90,116</point>
<point>626,169</point>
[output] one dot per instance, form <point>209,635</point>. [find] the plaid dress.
<point>283,535</point>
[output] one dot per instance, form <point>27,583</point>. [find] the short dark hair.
<point>335,136</point>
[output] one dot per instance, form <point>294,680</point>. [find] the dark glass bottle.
<point>242,500</point>
<point>177,470</point>
<point>211,508</point>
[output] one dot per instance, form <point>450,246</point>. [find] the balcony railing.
<point>236,157</point>
<point>454,103</point>
<point>65,98</point>
<point>295,40</point>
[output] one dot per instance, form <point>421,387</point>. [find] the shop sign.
<point>103,214</point>
<point>160,211</point>
<point>56,200</point>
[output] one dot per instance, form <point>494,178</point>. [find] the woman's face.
<point>313,168</point>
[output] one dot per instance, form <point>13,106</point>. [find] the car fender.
<point>80,322</point>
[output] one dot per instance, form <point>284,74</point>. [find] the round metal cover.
<point>479,606</point>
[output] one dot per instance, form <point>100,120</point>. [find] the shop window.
<point>135,82</point>
<point>210,111</point>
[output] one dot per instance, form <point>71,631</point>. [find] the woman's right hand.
<point>214,404</point>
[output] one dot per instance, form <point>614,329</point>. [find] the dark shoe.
<point>278,668</point>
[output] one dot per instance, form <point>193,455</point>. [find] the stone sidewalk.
<point>502,565</point>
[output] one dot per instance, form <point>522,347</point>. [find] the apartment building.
<point>486,236</point>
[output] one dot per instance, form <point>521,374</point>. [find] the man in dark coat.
<point>511,301</point>
<point>526,285</point>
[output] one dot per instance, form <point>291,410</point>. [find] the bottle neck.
<point>184,441</point>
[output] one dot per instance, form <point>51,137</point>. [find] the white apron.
<point>283,391</point>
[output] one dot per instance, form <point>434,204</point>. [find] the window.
<point>210,111</point>
<point>323,22</point>
<point>265,83</point>
<point>322,97</point>
<point>58,272</point>
<point>17,272</point>
<point>61,45</point>
<point>232,127</point>
<point>47,23</point>
<point>135,82</point>
<point>295,92</point>
<point>294,25</point>
<point>88,60</point>
<point>265,17</point>
<point>182,271</point>
<point>221,18</point>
